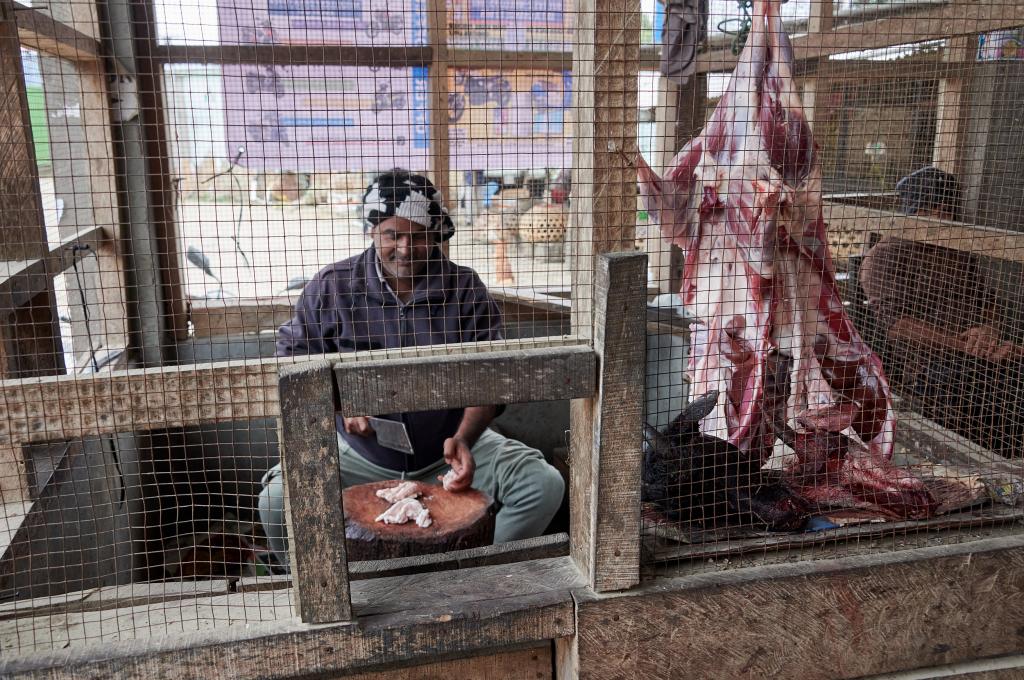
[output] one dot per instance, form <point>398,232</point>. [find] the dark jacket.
<point>347,307</point>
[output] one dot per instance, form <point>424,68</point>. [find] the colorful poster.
<point>509,120</point>
<point>999,45</point>
<point>544,25</point>
<point>327,118</point>
<point>323,22</point>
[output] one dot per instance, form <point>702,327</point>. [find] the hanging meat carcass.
<point>743,202</point>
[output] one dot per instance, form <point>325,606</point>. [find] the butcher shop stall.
<point>511,338</point>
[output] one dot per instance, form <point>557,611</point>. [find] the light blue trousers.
<point>527,490</point>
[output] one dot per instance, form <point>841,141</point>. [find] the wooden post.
<point>437,32</point>
<point>953,107</point>
<point>606,54</point>
<point>820,21</point>
<point>313,507</point>
<point>606,451</point>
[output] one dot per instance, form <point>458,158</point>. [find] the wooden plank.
<point>413,619</point>
<point>161,187</point>
<point>236,317</point>
<point>917,24</point>
<point>113,597</point>
<point>820,21</point>
<point>22,280</point>
<point>41,32</point>
<point>953,106</point>
<point>313,506</point>
<point>400,385</point>
<point>842,618</point>
<point>998,243</point>
<point>70,407</point>
<point>610,504</point>
<point>437,35</point>
<point>522,664</point>
<point>540,547</point>
<point>387,57</point>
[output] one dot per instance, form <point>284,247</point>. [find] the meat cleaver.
<point>392,434</point>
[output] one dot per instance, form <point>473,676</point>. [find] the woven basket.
<point>543,223</point>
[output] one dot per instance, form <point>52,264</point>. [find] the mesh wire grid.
<point>177,174</point>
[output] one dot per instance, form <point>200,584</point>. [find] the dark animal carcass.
<point>693,477</point>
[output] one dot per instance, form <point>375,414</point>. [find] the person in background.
<point>941,320</point>
<point>403,291</point>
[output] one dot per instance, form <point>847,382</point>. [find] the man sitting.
<point>403,291</point>
<point>940,317</point>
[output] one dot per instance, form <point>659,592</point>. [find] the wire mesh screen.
<point>850,272</point>
<point>191,189</point>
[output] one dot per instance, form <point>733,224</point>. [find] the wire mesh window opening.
<point>830,215</point>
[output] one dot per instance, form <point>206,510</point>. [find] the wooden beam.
<point>850,617</point>
<point>22,280</point>
<point>290,55</point>
<point>313,504</point>
<point>437,34</point>
<point>403,620</point>
<point>602,217</point>
<point>388,57</point>
<point>953,106</point>
<point>819,22</point>
<point>239,317</point>
<point>41,32</point>
<point>605,484</point>
<point>998,243</point>
<point>519,376</point>
<point>917,24</point>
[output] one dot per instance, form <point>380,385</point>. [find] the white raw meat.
<point>406,510</point>
<point>393,494</point>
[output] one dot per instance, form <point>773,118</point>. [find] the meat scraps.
<point>406,510</point>
<point>743,202</point>
<point>393,494</point>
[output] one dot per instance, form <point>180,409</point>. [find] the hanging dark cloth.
<point>686,27</point>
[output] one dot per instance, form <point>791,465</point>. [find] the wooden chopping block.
<point>460,520</point>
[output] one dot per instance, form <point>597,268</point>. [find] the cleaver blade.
<point>392,434</point>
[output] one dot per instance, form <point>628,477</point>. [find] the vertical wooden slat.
<point>606,53</point>
<point>954,107</point>
<point>605,493</point>
<point>161,184</point>
<point>437,30</point>
<point>821,20</point>
<point>315,517</point>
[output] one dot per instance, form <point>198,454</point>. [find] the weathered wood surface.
<point>399,385</point>
<point>458,521</point>
<point>608,498</point>
<point>68,407</point>
<point>22,280</point>
<point>113,597</point>
<point>999,243</point>
<point>541,547</point>
<point>931,22</point>
<point>437,36</point>
<point>602,218</point>
<point>522,664</point>
<point>403,620</point>
<point>953,107</point>
<point>237,317</point>
<point>44,33</point>
<point>313,504</point>
<point>832,619</point>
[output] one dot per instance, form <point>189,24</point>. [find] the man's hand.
<point>984,343</point>
<point>458,455</point>
<point>359,426</point>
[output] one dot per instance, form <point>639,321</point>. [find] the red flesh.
<point>743,201</point>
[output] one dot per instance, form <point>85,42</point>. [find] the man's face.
<point>404,247</point>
